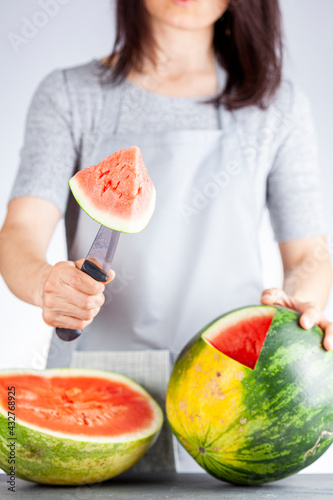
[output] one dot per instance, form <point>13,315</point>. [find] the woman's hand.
<point>311,314</point>
<point>70,298</point>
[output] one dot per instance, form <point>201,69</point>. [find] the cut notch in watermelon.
<point>241,334</point>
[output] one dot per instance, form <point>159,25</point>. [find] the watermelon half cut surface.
<point>241,334</point>
<point>117,192</point>
<point>74,426</point>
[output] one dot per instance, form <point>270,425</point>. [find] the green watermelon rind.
<point>308,427</point>
<point>123,225</point>
<point>46,458</point>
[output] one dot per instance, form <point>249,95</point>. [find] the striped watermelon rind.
<point>249,426</point>
<point>51,458</point>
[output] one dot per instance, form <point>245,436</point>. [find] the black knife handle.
<point>94,271</point>
<point>66,334</point>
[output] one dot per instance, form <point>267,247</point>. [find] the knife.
<point>97,264</point>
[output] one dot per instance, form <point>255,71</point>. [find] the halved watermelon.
<point>117,192</point>
<point>251,396</point>
<point>74,426</point>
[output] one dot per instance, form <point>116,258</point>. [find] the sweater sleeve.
<point>294,196</point>
<point>48,155</point>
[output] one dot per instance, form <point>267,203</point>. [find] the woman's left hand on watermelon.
<point>311,313</point>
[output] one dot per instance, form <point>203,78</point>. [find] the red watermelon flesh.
<point>117,192</point>
<point>241,339</point>
<point>85,405</point>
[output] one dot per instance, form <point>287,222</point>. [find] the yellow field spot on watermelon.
<point>216,383</point>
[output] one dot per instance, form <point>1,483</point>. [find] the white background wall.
<point>79,30</point>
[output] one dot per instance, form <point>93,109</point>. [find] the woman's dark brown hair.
<point>247,43</point>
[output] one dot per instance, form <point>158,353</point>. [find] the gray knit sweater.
<point>279,142</point>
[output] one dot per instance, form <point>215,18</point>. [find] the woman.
<point>197,86</point>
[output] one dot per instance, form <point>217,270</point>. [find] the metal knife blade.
<point>97,265</point>
<point>101,253</point>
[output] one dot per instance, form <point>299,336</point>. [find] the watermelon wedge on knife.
<point>119,194</point>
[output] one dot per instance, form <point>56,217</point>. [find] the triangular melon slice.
<point>117,192</point>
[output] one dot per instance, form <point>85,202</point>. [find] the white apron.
<point>197,258</point>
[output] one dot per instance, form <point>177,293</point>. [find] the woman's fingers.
<point>70,275</point>
<point>327,326</point>
<point>60,321</point>
<point>276,296</point>
<point>71,298</point>
<point>54,314</point>
<point>80,308</point>
<point>310,313</point>
<point>112,275</point>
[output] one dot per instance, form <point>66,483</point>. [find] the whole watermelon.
<point>248,425</point>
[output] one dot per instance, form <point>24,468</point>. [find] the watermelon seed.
<point>104,173</point>
<point>218,374</point>
<point>85,420</point>
<point>202,450</point>
<point>107,185</point>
